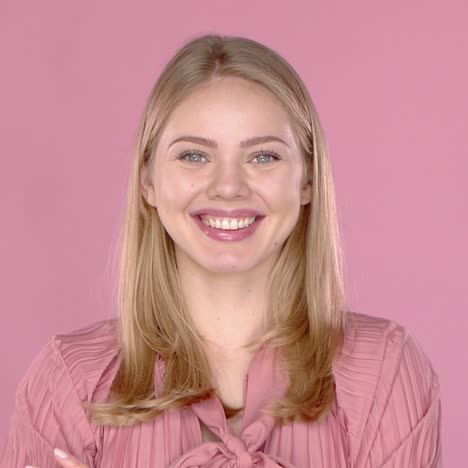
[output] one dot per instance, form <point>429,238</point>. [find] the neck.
<point>228,309</point>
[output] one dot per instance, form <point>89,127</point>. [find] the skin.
<point>224,282</point>
<point>70,462</point>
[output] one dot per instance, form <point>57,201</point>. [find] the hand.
<point>65,460</point>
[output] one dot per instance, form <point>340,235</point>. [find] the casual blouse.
<point>387,410</point>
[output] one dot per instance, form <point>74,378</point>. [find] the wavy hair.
<point>305,290</point>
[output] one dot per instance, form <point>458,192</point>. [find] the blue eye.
<point>270,154</point>
<point>189,153</point>
<point>260,154</point>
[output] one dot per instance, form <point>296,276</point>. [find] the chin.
<point>226,263</point>
<point>228,267</point>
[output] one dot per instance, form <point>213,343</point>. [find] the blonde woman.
<point>233,346</point>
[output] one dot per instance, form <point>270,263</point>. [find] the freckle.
<point>217,318</point>
<point>275,243</point>
<point>250,290</point>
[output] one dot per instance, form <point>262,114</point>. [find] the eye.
<point>267,154</point>
<point>184,155</point>
<point>263,154</point>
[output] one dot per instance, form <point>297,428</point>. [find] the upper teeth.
<point>227,223</point>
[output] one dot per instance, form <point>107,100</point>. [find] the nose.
<point>228,179</point>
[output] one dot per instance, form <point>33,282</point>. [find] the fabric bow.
<point>264,383</point>
<point>233,452</point>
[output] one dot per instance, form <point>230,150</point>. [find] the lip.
<point>239,213</point>
<point>227,234</point>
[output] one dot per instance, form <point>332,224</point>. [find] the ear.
<point>306,192</point>
<point>146,185</point>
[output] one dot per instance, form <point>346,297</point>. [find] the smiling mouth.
<point>228,224</point>
<point>226,232</point>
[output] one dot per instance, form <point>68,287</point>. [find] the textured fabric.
<point>387,411</point>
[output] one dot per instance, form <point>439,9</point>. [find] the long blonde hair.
<point>305,291</point>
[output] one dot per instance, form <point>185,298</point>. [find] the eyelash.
<point>260,153</point>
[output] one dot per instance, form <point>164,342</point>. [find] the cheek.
<point>174,190</point>
<point>282,190</point>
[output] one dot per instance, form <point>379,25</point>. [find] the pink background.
<point>390,83</point>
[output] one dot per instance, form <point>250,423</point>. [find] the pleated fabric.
<point>387,411</point>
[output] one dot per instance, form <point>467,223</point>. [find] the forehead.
<point>230,108</point>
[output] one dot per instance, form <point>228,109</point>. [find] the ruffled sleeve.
<point>48,409</point>
<point>47,414</point>
<point>403,426</point>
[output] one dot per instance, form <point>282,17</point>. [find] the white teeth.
<point>229,224</point>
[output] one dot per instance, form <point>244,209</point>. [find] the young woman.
<point>232,347</point>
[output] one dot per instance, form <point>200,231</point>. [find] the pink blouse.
<point>387,411</point>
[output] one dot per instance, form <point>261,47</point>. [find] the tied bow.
<point>264,383</point>
<point>233,452</point>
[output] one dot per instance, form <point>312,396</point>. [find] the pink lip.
<point>239,213</point>
<point>227,234</point>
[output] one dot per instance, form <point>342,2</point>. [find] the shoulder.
<point>72,368</point>
<point>369,341</point>
<point>91,356</point>
<point>377,354</point>
<point>86,358</point>
<point>377,339</point>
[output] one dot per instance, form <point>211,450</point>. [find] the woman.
<point>233,347</point>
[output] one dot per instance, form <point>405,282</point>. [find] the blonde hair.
<point>305,291</point>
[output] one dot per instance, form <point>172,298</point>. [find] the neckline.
<point>232,412</point>
<point>263,383</point>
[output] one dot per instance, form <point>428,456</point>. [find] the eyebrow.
<point>243,144</point>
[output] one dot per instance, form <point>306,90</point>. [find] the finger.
<point>66,460</point>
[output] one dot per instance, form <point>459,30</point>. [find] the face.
<point>187,176</point>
